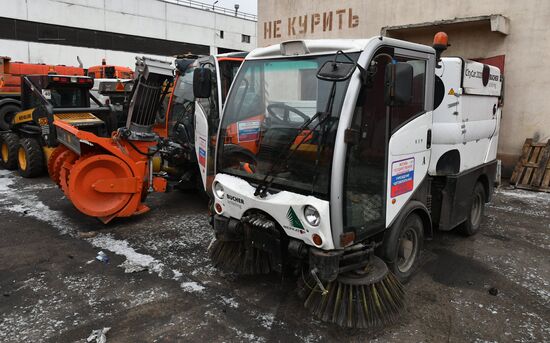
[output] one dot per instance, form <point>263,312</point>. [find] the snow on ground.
<point>23,201</point>
<point>176,246</point>
<point>524,194</point>
<point>35,321</point>
<point>5,180</point>
<point>134,260</point>
<point>192,286</point>
<point>231,302</point>
<point>266,319</point>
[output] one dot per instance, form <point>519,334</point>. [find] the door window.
<point>402,114</point>
<point>210,105</point>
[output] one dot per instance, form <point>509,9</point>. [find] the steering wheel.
<point>286,112</point>
<point>238,157</point>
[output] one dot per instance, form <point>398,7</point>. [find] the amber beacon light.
<point>441,41</point>
<point>440,44</point>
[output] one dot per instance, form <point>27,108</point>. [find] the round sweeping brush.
<point>366,299</point>
<point>236,257</point>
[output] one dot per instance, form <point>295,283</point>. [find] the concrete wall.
<point>146,18</point>
<point>526,111</point>
<point>66,55</point>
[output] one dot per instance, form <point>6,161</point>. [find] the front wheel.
<point>30,158</point>
<point>402,247</point>
<point>477,209</point>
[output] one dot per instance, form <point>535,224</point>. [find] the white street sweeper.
<point>339,157</point>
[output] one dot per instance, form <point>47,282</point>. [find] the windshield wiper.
<point>264,185</point>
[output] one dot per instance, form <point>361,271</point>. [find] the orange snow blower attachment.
<point>108,177</point>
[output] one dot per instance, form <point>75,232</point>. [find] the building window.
<point>29,31</point>
<point>221,34</point>
<point>245,38</point>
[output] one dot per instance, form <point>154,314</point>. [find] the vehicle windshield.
<point>269,103</point>
<point>183,100</point>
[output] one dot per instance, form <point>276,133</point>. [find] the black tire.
<point>477,210</point>
<point>9,143</point>
<point>6,115</point>
<point>30,158</point>
<point>402,247</point>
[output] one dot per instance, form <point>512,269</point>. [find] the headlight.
<point>312,215</point>
<point>218,190</point>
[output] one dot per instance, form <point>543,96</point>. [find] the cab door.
<point>409,127</point>
<point>201,142</point>
<point>206,112</point>
<point>389,155</point>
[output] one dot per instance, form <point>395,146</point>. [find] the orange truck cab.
<point>11,73</point>
<point>10,83</point>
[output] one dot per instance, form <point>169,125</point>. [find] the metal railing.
<point>213,8</point>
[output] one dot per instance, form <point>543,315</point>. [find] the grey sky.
<point>249,6</point>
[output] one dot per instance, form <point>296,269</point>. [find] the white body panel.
<point>239,197</point>
<point>407,146</point>
<point>468,118</point>
<point>473,83</point>
<point>201,141</point>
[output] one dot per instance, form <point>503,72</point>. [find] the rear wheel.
<point>402,247</point>
<point>9,143</point>
<point>6,115</point>
<point>477,209</point>
<point>30,158</point>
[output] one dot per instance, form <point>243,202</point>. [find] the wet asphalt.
<point>159,285</point>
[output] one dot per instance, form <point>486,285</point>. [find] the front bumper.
<point>285,208</point>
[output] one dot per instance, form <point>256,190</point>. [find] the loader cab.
<point>46,98</point>
<point>58,90</point>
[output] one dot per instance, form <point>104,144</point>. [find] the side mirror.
<point>202,83</point>
<point>399,83</point>
<point>335,71</point>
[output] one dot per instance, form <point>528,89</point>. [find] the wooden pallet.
<point>533,168</point>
